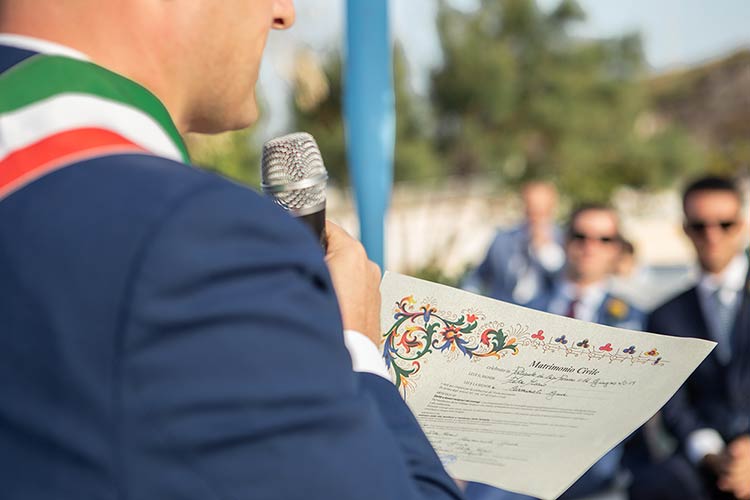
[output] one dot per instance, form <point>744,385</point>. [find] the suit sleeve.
<point>235,381</point>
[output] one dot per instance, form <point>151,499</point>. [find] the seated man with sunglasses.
<point>710,414</point>
<point>593,246</point>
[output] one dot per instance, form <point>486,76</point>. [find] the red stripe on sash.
<point>56,151</point>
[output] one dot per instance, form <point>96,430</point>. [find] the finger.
<point>338,239</point>
<point>332,227</point>
<point>740,445</point>
<point>736,480</point>
<point>739,455</point>
<point>734,448</point>
<point>742,492</point>
<point>724,484</point>
<point>335,234</point>
<point>375,271</point>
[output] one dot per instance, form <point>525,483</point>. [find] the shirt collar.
<point>592,295</point>
<point>41,46</point>
<point>731,279</point>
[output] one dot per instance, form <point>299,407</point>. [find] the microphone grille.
<point>292,171</point>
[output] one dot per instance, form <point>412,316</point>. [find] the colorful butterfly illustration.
<point>561,339</point>
<point>538,335</point>
<point>652,352</point>
<point>629,350</point>
<point>584,343</point>
<point>606,347</point>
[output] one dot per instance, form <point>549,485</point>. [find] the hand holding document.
<point>520,399</point>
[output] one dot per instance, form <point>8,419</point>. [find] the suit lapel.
<point>739,367</point>
<point>613,312</point>
<point>602,316</point>
<point>695,325</point>
<point>694,319</point>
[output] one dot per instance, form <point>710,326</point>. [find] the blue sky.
<point>675,32</point>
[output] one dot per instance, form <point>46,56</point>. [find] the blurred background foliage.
<point>233,154</point>
<point>519,98</point>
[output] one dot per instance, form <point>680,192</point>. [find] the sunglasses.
<point>607,240</point>
<point>700,226</point>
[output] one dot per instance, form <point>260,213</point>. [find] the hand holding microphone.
<point>356,280</point>
<point>293,173</point>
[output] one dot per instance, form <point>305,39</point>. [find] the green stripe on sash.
<point>43,76</point>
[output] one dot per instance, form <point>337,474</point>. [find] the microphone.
<point>293,174</point>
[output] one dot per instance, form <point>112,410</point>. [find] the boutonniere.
<point>617,308</point>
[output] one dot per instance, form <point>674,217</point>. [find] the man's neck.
<point>737,265</point>
<point>108,44</point>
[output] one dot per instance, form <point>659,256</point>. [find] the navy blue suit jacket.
<point>165,333</point>
<point>716,396</point>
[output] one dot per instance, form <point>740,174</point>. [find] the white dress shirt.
<point>366,357</point>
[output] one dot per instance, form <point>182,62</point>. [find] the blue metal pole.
<point>369,113</point>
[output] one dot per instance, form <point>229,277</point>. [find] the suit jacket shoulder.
<point>680,315</point>
<point>618,312</point>
<point>185,335</point>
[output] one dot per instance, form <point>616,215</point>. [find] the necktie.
<point>571,312</point>
<point>723,323</point>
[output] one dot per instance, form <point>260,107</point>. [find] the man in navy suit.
<point>165,333</point>
<point>592,249</point>
<point>524,260</point>
<point>710,414</point>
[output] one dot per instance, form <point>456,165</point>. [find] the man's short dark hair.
<point>711,183</point>
<point>586,207</point>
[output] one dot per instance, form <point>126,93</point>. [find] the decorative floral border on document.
<point>421,330</point>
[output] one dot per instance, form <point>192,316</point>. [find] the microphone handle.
<point>317,224</point>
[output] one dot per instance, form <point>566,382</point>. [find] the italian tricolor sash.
<point>55,111</point>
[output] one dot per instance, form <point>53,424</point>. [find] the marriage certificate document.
<point>520,399</point>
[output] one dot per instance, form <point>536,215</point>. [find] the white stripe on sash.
<point>70,111</point>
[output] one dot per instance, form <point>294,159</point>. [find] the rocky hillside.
<point>711,101</point>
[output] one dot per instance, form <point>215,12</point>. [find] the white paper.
<point>520,399</point>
